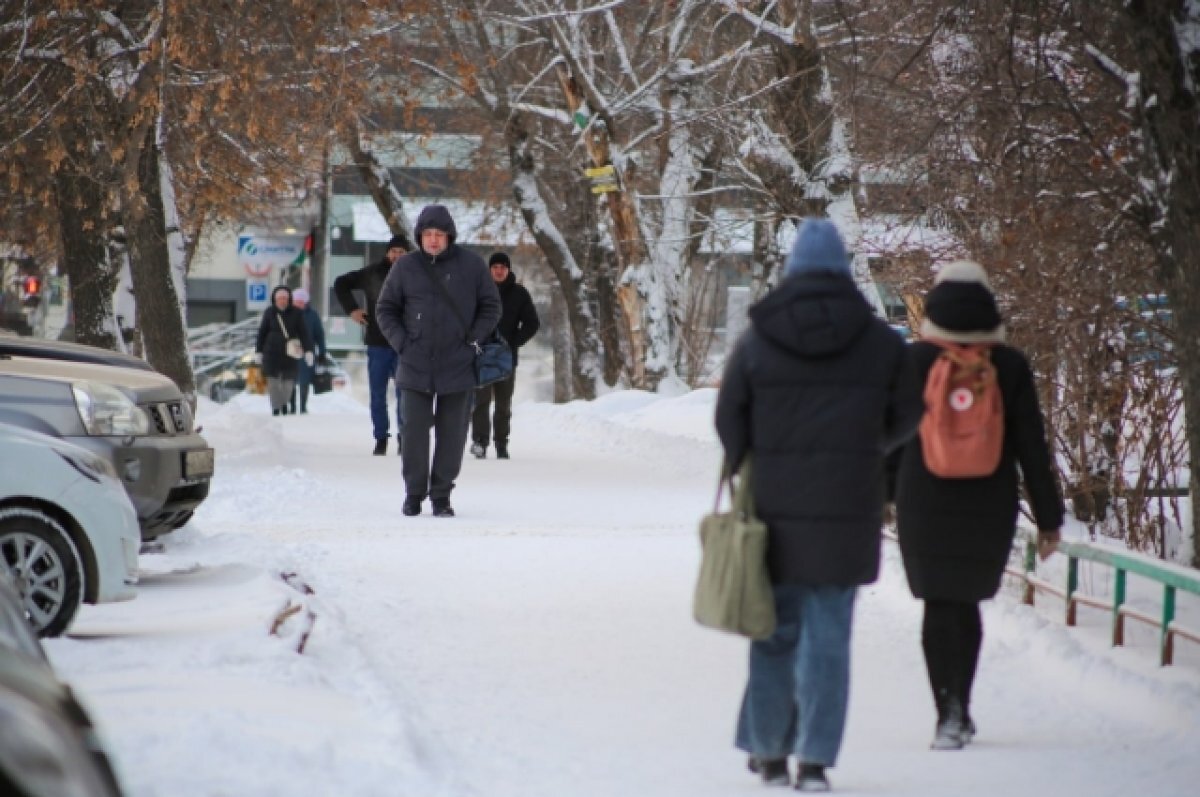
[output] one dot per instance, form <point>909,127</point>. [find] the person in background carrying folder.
<point>358,292</point>
<point>436,305</point>
<point>819,390</point>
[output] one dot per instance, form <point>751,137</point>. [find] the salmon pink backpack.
<point>962,431</point>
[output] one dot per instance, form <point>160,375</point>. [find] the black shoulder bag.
<point>493,355</point>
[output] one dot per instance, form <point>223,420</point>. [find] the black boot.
<point>442,508</point>
<point>772,771</point>
<point>380,447</point>
<point>951,729</point>
<point>811,777</point>
<point>274,412</point>
<point>501,450</point>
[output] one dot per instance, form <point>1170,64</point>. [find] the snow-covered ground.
<point>541,644</point>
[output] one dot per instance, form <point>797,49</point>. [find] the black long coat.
<point>818,390</point>
<point>272,344</point>
<point>956,534</point>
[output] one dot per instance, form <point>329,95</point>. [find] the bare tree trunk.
<point>1172,124</point>
<point>159,310</point>
<point>379,182</point>
<point>80,200</point>
<point>585,353</point>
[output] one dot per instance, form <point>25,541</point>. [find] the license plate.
<point>198,464</point>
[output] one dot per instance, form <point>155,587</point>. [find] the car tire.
<point>41,560</point>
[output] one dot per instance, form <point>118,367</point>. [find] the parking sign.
<point>256,294</point>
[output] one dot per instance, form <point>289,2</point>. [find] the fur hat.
<point>500,257</point>
<point>961,307</point>
<point>818,247</point>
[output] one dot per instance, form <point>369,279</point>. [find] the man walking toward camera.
<point>358,293</point>
<point>518,323</point>
<point>436,304</point>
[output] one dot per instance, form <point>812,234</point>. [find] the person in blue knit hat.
<point>818,390</point>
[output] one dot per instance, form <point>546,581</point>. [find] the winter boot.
<point>442,508</point>
<point>968,731</point>
<point>950,728</point>
<point>811,777</point>
<point>479,450</point>
<point>380,447</point>
<point>772,771</point>
<point>412,505</point>
<point>502,450</point>
<point>275,412</point>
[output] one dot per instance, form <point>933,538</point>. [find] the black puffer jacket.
<point>436,355</point>
<point>271,342</point>
<point>519,319</point>
<point>819,390</point>
<point>956,534</point>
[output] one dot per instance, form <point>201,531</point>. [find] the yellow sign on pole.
<point>602,172</point>
<point>605,188</point>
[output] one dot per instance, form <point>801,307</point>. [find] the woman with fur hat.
<point>956,533</point>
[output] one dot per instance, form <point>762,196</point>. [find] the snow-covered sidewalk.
<point>540,643</point>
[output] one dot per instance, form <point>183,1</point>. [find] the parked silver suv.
<point>136,419</point>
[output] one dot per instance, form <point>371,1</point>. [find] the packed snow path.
<point>540,644</point>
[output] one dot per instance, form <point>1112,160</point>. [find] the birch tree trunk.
<point>159,305</point>
<point>1171,117</point>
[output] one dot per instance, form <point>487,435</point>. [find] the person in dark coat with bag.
<point>818,390</point>
<point>956,534</point>
<point>436,305</point>
<point>280,323</point>
<point>358,292</point>
<point>518,324</point>
<point>305,369</point>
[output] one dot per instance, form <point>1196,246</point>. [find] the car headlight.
<point>90,465</point>
<point>107,411</point>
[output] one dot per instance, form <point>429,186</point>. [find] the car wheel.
<point>41,560</point>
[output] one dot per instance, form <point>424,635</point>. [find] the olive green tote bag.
<point>733,592</point>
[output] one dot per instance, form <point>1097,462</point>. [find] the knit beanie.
<point>398,242</point>
<point>818,247</point>
<point>300,295</point>
<point>500,257</point>
<point>960,307</point>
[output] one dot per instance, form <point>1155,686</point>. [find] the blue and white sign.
<point>258,294</point>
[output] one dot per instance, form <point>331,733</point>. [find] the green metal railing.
<point>1172,578</point>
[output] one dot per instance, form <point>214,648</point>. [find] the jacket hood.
<point>436,217</point>
<point>812,315</point>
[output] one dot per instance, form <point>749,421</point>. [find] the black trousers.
<point>951,635</point>
<point>481,423</point>
<point>446,414</point>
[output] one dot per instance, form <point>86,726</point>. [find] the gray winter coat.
<point>436,355</point>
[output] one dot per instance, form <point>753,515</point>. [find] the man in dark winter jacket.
<point>518,324</point>
<point>818,390</point>
<point>381,357</point>
<point>437,304</point>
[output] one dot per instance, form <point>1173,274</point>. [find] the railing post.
<point>1118,628</point>
<point>1030,566</point>
<point>1168,617</point>
<point>1072,585</point>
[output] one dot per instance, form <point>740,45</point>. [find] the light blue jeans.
<point>799,685</point>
